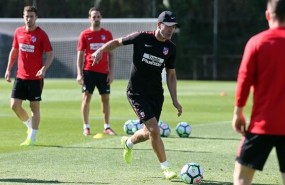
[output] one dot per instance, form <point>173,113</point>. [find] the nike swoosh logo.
<point>146,45</point>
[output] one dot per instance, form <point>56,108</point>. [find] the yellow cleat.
<point>28,142</point>
<point>128,153</point>
<point>168,173</point>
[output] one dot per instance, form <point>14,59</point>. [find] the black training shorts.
<point>255,149</point>
<point>92,80</point>
<point>146,106</point>
<point>27,89</point>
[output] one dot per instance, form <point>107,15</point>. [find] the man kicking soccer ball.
<point>153,51</point>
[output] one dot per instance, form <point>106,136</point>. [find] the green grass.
<point>64,156</point>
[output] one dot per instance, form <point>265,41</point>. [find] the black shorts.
<point>27,89</point>
<point>255,149</point>
<point>146,106</point>
<point>92,79</point>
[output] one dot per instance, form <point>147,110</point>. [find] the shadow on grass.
<point>210,138</point>
<point>217,182</point>
<point>23,180</point>
<point>104,148</point>
<point>225,183</point>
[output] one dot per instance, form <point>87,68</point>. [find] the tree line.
<point>238,20</point>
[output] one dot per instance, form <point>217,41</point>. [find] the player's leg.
<point>280,150</point>
<point>31,139</point>
<point>151,132</point>
<point>104,91</point>
<point>140,136</point>
<point>36,115</point>
<point>242,174</point>
<point>158,147</point>
<point>138,104</point>
<point>105,103</point>
<point>34,96</point>
<point>85,110</point>
<point>19,93</point>
<point>105,107</point>
<point>16,105</point>
<point>128,143</point>
<point>148,109</point>
<point>87,91</point>
<point>252,154</point>
<point>155,139</point>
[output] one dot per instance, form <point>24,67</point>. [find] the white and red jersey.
<point>89,41</point>
<point>31,46</point>
<point>263,68</point>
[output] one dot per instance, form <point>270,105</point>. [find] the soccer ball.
<point>137,125</point>
<point>131,126</point>
<point>183,129</point>
<point>128,127</point>
<point>192,173</point>
<point>164,129</point>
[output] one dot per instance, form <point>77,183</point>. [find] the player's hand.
<point>97,56</point>
<point>79,79</point>
<point>40,73</point>
<point>239,123</point>
<point>178,107</point>
<point>7,76</point>
<point>110,79</point>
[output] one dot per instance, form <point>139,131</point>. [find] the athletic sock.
<point>106,125</point>
<point>86,126</point>
<point>28,123</point>
<point>32,134</point>
<point>129,143</point>
<point>164,164</point>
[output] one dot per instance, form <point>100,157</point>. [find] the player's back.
<point>269,81</point>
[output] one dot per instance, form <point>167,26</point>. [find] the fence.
<point>64,34</point>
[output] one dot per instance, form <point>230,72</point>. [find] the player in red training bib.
<point>99,75</point>
<point>262,69</point>
<point>29,44</point>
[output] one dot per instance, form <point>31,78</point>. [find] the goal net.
<point>64,34</point>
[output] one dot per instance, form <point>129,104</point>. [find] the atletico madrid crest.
<point>103,37</point>
<point>165,50</point>
<point>34,39</point>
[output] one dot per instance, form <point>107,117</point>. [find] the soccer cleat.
<point>28,142</point>
<point>86,131</point>
<point>128,153</point>
<point>109,131</point>
<point>168,173</point>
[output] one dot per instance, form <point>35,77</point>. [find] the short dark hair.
<point>278,8</point>
<point>30,9</point>
<point>93,9</point>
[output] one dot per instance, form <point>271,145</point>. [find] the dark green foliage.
<point>238,21</point>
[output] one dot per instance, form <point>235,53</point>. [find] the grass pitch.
<point>64,156</point>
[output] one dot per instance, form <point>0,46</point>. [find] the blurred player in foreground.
<point>29,44</point>
<point>99,75</point>
<point>262,67</point>
<point>153,51</point>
